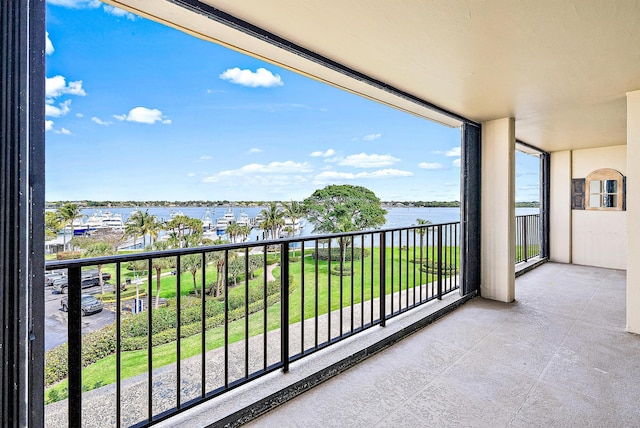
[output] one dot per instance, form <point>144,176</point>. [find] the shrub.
<point>68,255</point>
<point>346,269</point>
<point>323,254</point>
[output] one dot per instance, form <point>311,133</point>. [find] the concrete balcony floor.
<point>558,356</point>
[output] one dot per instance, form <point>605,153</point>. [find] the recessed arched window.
<point>605,190</point>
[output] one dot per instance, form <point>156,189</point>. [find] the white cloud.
<point>100,122</point>
<point>205,157</point>
<point>325,154</point>
<point>256,169</point>
<point>328,176</point>
<point>371,137</point>
<point>456,163</point>
<point>57,85</point>
<point>261,77</point>
<point>191,174</point>
<point>76,4</point>
<point>79,115</point>
<point>254,150</point>
<point>429,165</point>
<point>57,111</point>
<point>64,131</point>
<point>144,115</point>
<point>48,45</point>
<point>48,125</point>
<point>453,152</point>
<point>363,160</point>
<point>111,10</point>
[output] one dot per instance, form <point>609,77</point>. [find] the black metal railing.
<point>527,237</point>
<point>254,308</point>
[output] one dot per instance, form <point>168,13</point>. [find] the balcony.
<point>252,321</point>
<point>558,356</point>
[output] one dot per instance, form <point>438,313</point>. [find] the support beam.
<point>470,208</point>
<point>498,210</point>
<point>22,43</point>
<point>633,212</point>
<point>560,225</point>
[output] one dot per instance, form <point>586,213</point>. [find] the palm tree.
<point>244,232</point>
<point>67,214</point>
<point>101,249</point>
<point>134,226</point>
<point>159,264</point>
<point>421,232</point>
<point>233,230</point>
<point>191,264</point>
<point>149,225</point>
<point>273,219</point>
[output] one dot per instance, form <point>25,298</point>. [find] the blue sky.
<point>139,111</point>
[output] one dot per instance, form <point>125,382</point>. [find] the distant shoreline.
<point>240,204</point>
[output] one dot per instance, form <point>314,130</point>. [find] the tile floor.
<point>558,356</point>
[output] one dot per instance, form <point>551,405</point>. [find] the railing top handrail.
<point>123,258</point>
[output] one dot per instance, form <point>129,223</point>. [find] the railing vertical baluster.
<point>407,271</point>
<point>150,339</point>
<point>301,297</point>
<point>341,281</point>
<point>316,293</point>
<point>421,233</point>
<point>226,319</point>
<point>118,345</point>
<point>264,312</point>
<point>74,333</point>
<point>399,271</point>
<point>414,267</point>
<point>383,274</point>
<point>524,233</point>
<point>178,339</point>
<point>329,293</point>
<point>246,313</point>
<point>352,285</point>
<point>372,277</point>
<point>392,273</point>
<point>362,280</point>
<point>440,262</point>
<point>203,327</point>
<point>284,306</point>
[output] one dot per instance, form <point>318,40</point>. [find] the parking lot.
<point>56,319</point>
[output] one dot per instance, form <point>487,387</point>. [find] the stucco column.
<point>498,210</point>
<point>560,218</point>
<point>633,208</point>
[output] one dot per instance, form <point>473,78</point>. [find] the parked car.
<point>50,277</point>
<point>90,305</point>
<point>90,278</point>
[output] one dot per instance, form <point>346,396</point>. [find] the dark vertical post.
<point>22,41</point>
<point>470,209</point>
<point>545,201</point>
<point>383,274</point>
<point>439,269</point>
<point>74,325</point>
<point>525,221</point>
<point>284,305</point>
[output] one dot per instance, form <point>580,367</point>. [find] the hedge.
<point>102,343</point>
<point>323,254</point>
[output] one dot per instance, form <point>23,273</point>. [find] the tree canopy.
<point>344,208</point>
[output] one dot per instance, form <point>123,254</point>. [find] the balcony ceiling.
<point>561,68</point>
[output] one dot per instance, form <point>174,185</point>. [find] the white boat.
<point>98,221</point>
<point>223,222</point>
<point>207,223</point>
<point>291,228</point>
<point>244,219</point>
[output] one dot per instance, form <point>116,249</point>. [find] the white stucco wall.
<point>560,213</point>
<point>599,238</point>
